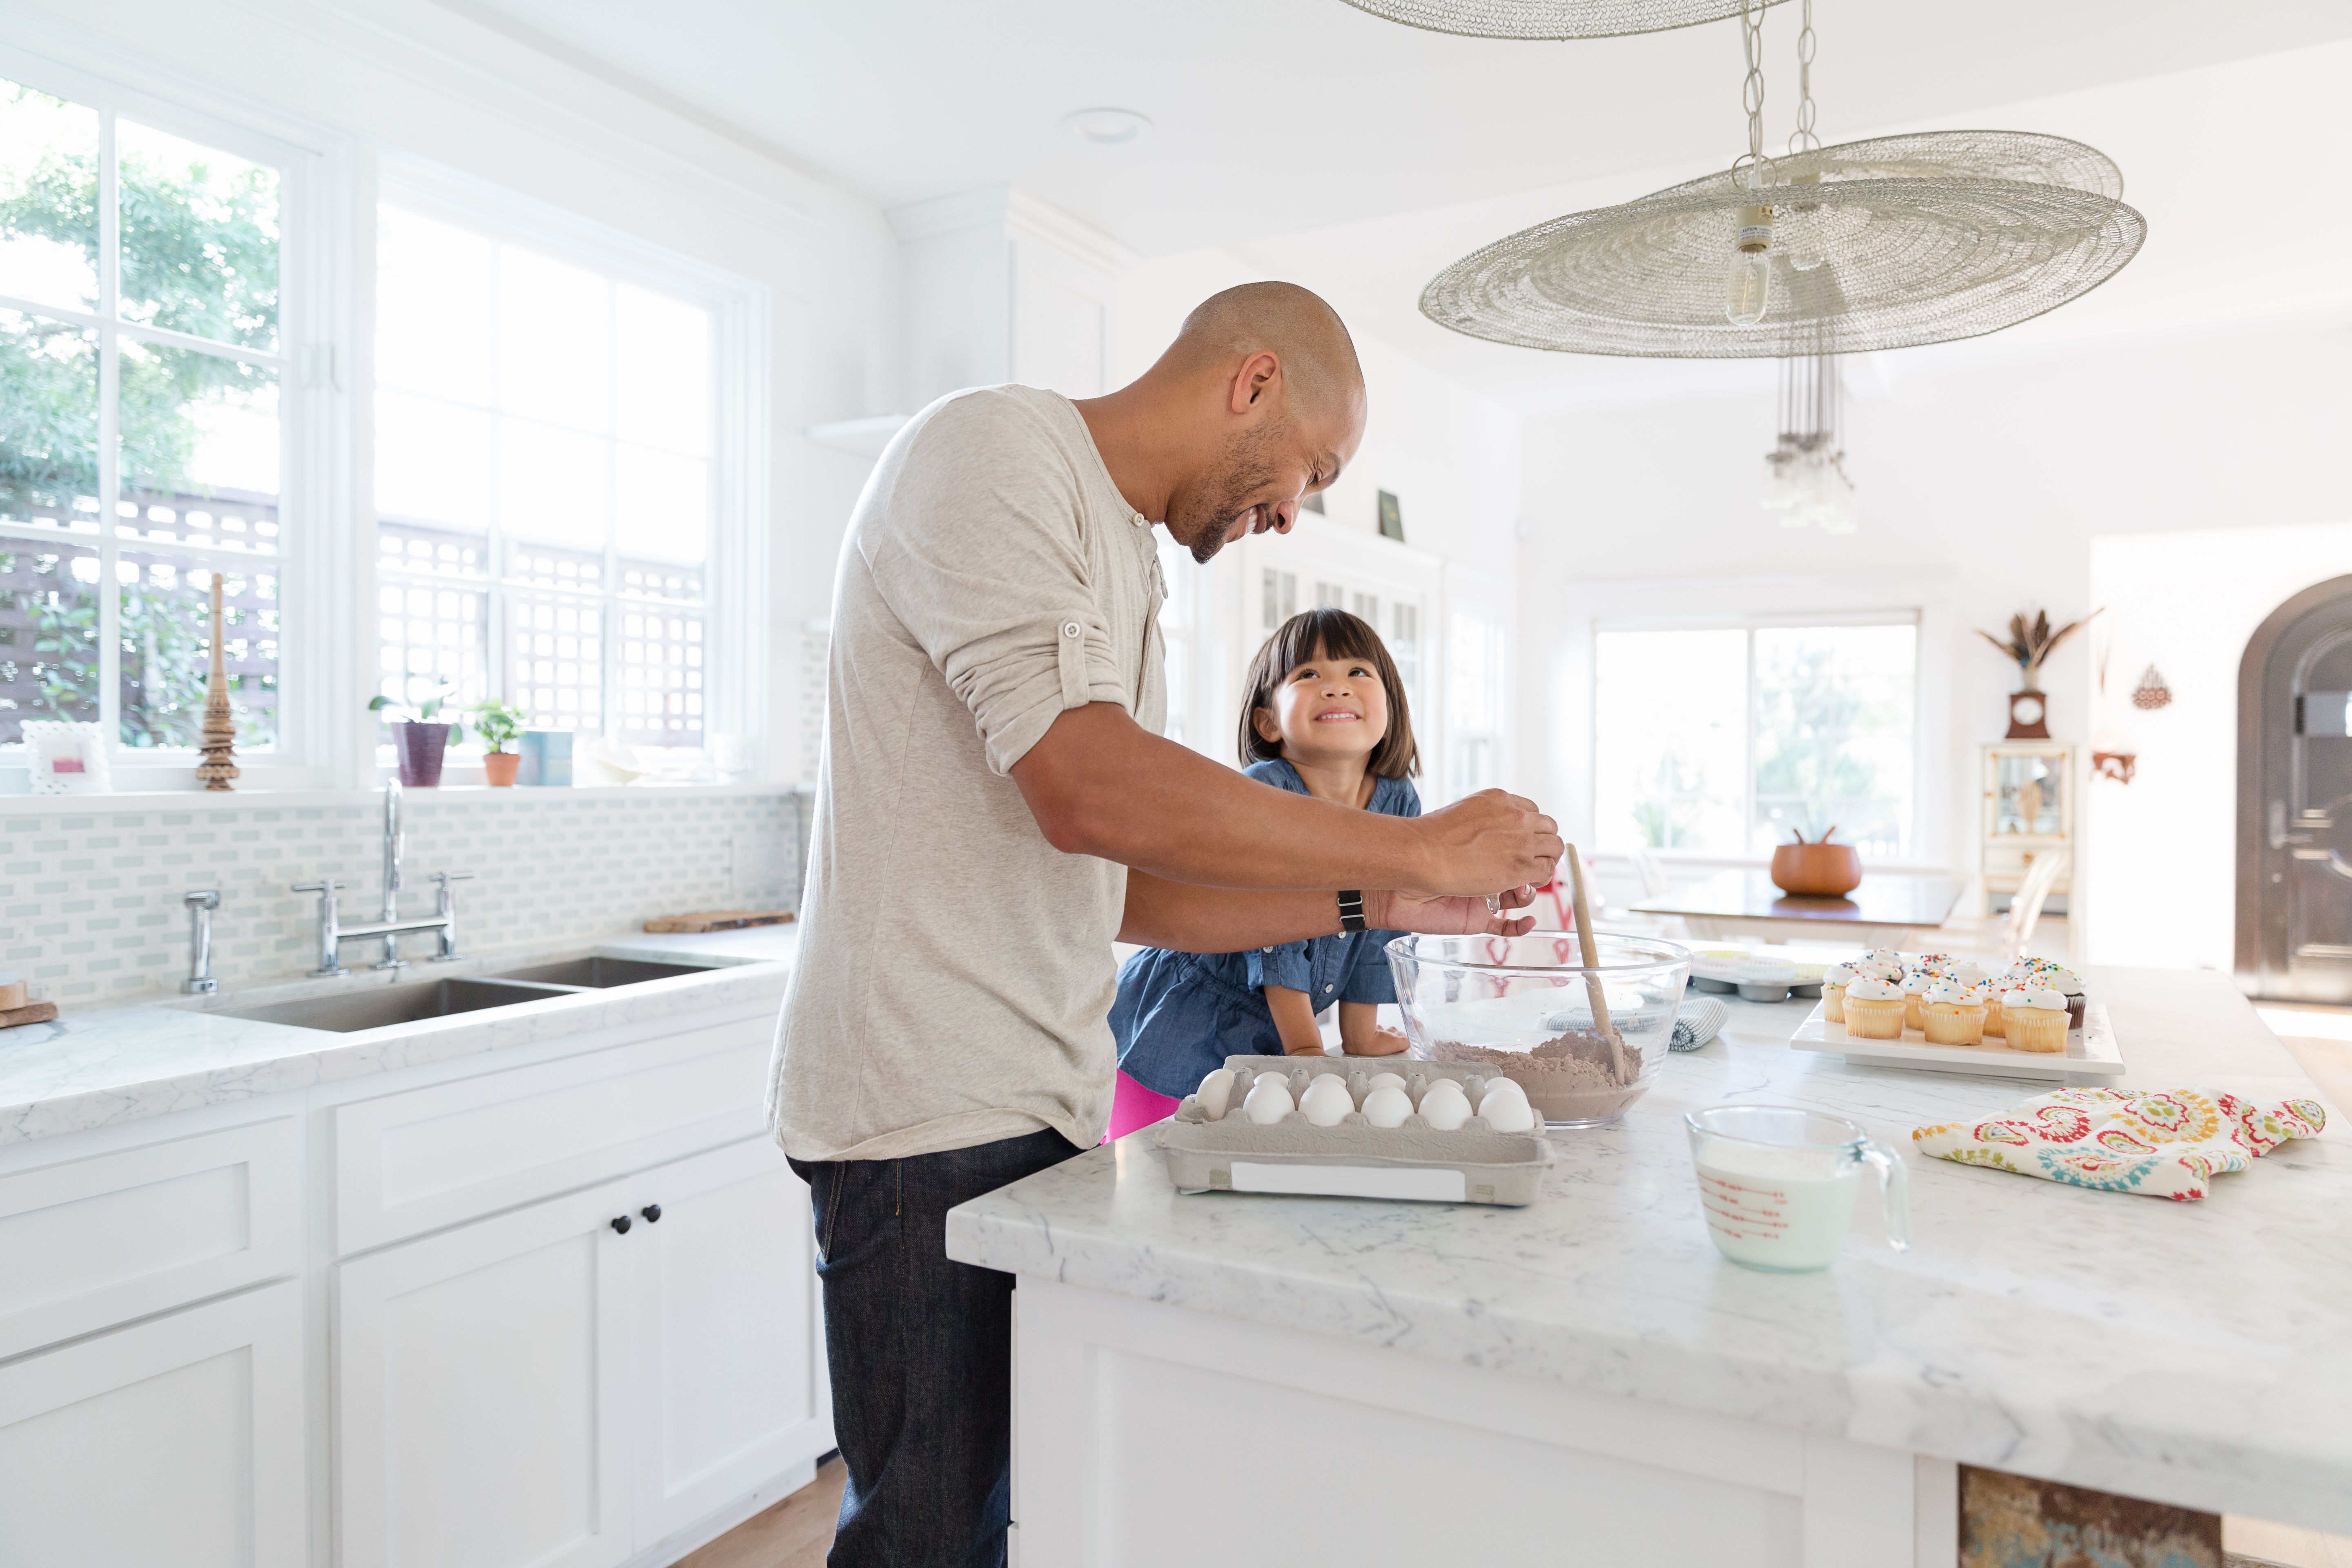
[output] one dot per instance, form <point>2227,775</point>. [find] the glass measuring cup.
<point>1778,1183</point>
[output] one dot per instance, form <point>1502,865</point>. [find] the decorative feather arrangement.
<point>2030,643</point>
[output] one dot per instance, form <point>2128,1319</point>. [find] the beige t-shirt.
<point>955,973</point>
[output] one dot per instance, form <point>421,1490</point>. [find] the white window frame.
<point>312,257</point>
<point>1915,617</point>
<point>735,574</point>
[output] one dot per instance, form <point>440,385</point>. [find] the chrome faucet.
<point>333,934</point>
<point>200,981</point>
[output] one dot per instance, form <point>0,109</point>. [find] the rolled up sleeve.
<point>987,570</point>
<point>1287,965</point>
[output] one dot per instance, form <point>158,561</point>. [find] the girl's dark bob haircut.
<point>1339,635</point>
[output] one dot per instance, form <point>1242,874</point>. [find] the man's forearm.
<point>1185,917</point>
<point>1098,783</point>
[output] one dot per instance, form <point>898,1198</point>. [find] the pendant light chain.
<point>1802,139</point>
<point>1751,92</point>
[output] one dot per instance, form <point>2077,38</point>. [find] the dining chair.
<point>2003,937</point>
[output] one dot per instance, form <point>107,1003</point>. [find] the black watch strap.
<point>1351,910</point>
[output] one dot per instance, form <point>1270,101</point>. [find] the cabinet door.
<point>730,1382</point>
<point>179,1440</point>
<point>482,1374</point>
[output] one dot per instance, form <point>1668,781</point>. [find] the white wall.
<point>2162,850</point>
<point>408,76</point>
<point>1451,457</point>
<point>1981,478</point>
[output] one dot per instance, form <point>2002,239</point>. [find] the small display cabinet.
<point>2029,811</point>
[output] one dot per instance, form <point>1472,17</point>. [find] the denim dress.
<point>1179,1015</point>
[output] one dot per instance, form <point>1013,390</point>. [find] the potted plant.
<point>420,739</point>
<point>497,723</point>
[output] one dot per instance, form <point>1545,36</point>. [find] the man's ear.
<point>1254,379</point>
<point>1267,728</point>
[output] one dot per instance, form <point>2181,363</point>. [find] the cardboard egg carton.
<point>1472,1163</point>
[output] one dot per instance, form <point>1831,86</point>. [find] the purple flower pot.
<point>421,748</point>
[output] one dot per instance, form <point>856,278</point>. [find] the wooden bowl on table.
<point>1819,870</point>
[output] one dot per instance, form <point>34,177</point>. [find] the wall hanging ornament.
<point>1537,19</point>
<point>2030,643</point>
<point>2151,693</point>
<point>1880,244</point>
<point>2111,756</point>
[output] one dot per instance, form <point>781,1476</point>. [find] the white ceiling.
<point>1359,157</point>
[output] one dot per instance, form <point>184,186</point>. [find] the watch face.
<point>2027,710</point>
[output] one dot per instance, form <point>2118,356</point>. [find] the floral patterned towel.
<point>2167,1144</point>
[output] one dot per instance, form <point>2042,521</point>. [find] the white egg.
<point>1496,1086</point>
<point>1507,1112</point>
<point>1444,1086</point>
<point>1216,1092</point>
<point>1269,1099</point>
<point>1384,1080</point>
<point>1445,1112</point>
<point>1387,1106</point>
<point>1325,1100</point>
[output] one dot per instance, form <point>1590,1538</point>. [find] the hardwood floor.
<point>795,1533</point>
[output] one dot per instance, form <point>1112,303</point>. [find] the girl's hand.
<point>1385,1042</point>
<point>1448,916</point>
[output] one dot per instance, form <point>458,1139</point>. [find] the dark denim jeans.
<point>921,1350</point>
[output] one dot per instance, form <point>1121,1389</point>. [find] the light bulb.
<point>1747,288</point>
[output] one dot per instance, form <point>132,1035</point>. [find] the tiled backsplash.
<point>91,912</point>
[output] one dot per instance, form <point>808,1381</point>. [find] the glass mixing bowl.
<point>1523,1005</point>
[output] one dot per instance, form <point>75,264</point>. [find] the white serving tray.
<point>2091,1054</point>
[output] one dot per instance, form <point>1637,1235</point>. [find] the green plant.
<point>499,722</point>
<point>424,712</point>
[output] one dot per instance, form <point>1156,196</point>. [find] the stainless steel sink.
<point>597,973</point>
<point>373,1009</point>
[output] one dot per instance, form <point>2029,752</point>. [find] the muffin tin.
<point>1755,980</point>
<point>1353,1158</point>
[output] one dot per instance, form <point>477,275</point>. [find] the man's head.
<point>1264,383</point>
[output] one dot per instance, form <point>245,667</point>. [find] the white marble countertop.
<point>2194,1353</point>
<point>124,1063</point>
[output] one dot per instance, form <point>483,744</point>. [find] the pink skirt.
<point>1133,1106</point>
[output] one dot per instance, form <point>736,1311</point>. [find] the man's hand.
<point>1450,916</point>
<point>1486,841</point>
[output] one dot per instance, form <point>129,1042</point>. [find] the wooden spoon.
<point>1591,950</point>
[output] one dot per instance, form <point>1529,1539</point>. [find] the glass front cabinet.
<point>2029,811</point>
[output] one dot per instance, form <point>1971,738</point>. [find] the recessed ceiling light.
<point>1106,127</point>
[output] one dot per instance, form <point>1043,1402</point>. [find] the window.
<point>1729,740</point>
<point>1181,574</point>
<point>545,448</point>
<point>140,363</point>
<point>1474,702</point>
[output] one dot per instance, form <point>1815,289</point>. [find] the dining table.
<point>1890,909</point>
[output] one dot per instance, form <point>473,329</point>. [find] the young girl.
<point>1324,715</point>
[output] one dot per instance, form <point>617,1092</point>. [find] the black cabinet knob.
<point>652,1213</point>
<point>621,1224</point>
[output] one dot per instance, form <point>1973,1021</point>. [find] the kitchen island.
<point>1246,1379</point>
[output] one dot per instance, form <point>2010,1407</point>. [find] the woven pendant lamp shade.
<point>1551,18</point>
<point>1882,244</point>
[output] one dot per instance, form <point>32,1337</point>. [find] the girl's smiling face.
<point>1328,710</point>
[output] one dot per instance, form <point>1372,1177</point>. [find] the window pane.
<point>1670,714</point>
<point>48,198</point>
<point>661,504</point>
<point>166,627</point>
<point>199,238</point>
<point>554,333</point>
<point>554,484</point>
<point>199,450</point>
<point>403,547</point>
<point>1833,725</point>
<point>435,461</point>
<point>661,678</point>
<point>555,660</point>
<point>48,424</point>
<point>661,372</point>
<point>431,636</point>
<point>48,635</point>
<point>437,310</point>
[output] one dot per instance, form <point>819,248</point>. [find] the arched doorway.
<point>2294,800</point>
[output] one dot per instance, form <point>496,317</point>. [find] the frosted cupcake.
<point>1834,980</point>
<point>1915,984</point>
<point>2035,1018</point>
<point>1954,1013</point>
<point>1873,1010</point>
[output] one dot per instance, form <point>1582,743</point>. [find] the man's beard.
<point>1244,470</point>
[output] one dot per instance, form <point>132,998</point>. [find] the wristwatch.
<point>1351,910</point>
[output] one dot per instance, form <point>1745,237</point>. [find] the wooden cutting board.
<point>720,920</point>
<point>35,1013</point>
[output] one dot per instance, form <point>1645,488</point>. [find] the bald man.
<point>995,805</point>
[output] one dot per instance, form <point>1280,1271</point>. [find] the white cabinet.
<point>178,1440</point>
<point>567,1384</point>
